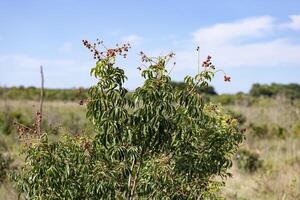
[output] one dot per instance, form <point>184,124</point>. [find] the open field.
<point>273,141</point>
<point>278,177</point>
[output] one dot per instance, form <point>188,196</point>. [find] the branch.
<point>132,192</point>
<point>130,176</point>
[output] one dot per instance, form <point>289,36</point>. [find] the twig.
<point>129,179</point>
<point>132,192</point>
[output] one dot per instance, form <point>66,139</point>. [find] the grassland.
<point>273,135</point>
<point>270,168</point>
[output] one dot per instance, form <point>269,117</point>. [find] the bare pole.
<point>40,113</point>
<point>198,52</point>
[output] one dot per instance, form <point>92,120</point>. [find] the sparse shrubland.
<point>82,159</point>
<point>271,147</point>
<point>32,93</point>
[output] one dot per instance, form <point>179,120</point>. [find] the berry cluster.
<point>84,101</point>
<point>226,78</point>
<point>99,55</point>
<point>144,57</point>
<point>207,63</point>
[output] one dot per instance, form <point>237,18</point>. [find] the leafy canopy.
<point>158,142</point>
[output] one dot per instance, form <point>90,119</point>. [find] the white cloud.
<point>66,48</point>
<point>233,32</point>
<point>294,23</point>
<point>132,39</point>
<point>246,42</point>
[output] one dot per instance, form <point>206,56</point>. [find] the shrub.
<point>238,116</point>
<point>224,99</point>
<point>291,91</point>
<point>32,93</point>
<point>234,99</point>
<point>7,119</point>
<point>248,161</point>
<point>260,131</point>
<point>209,90</point>
<point>158,142</point>
<point>278,131</point>
<point>5,165</point>
<point>267,131</point>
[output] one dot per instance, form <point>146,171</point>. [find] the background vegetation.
<point>266,167</point>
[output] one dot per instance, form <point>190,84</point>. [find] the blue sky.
<point>252,40</point>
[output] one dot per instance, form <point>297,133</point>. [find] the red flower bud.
<point>226,78</point>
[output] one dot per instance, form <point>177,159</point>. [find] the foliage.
<point>160,142</point>
<point>57,170</point>
<point>7,119</point>
<point>289,90</point>
<point>267,131</point>
<point>5,162</point>
<point>206,90</point>
<point>248,161</point>
<point>33,93</point>
<point>234,99</point>
<point>238,116</point>
<point>58,118</point>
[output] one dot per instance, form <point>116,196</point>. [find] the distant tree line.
<point>207,90</point>
<point>288,90</point>
<point>33,93</point>
<point>291,91</point>
<point>75,94</point>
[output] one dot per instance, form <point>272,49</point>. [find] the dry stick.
<point>41,102</point>
<point>198,50</point>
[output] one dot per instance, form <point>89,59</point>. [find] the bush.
<point>238,116</point>
<point>248,161</point>
<point>209,90</point>
<point>5,165</point>
<point>224,99</point>
<point>33,93</point>
<point>157,143</point>
<point>234,99</point>
<point>267,131</point>
<point>291,91</point>
<point>7,119</point>
<point>261,131</point>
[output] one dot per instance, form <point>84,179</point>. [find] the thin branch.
<point>130,176</point>
<point>133,189</point>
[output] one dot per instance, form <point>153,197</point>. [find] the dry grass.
<point>271,111</point>
<point>7,193</point>
<point>279,178</point>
